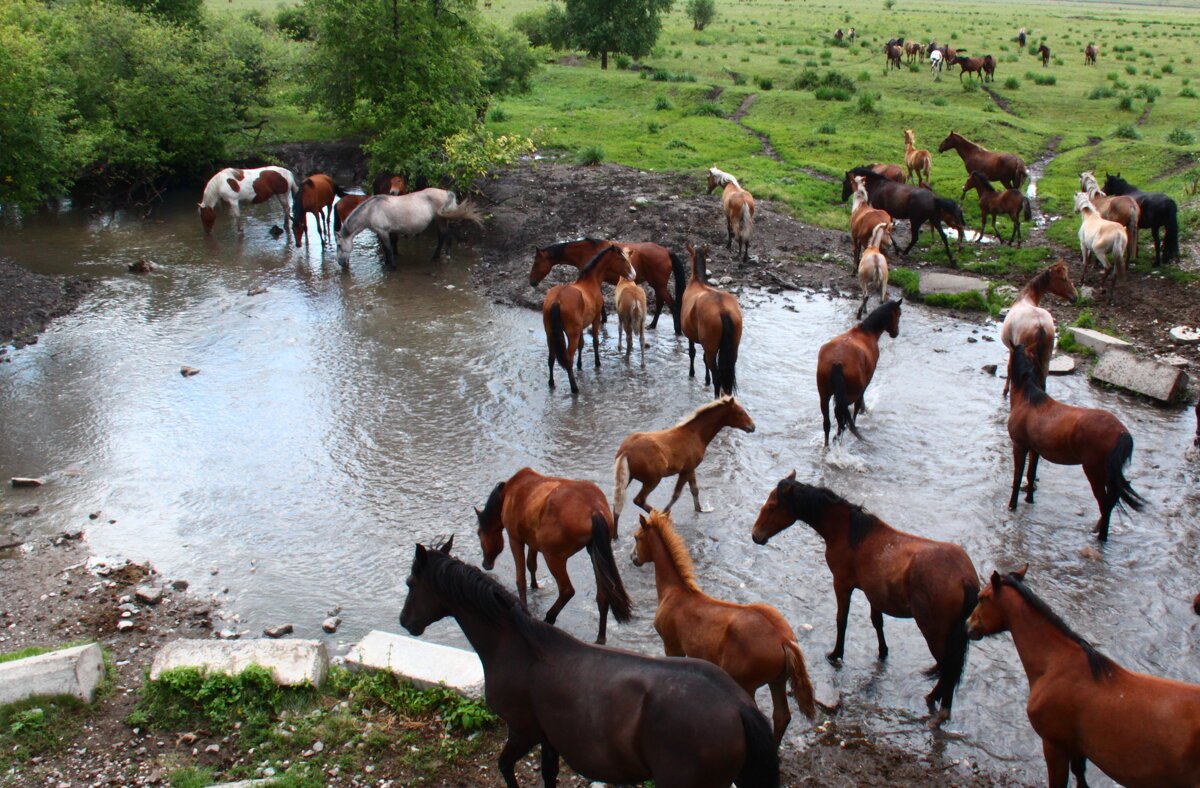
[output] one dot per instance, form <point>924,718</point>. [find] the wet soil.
<point>28,301</point>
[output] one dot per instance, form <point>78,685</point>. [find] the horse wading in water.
<point>846,364</point>
<point>1030,325</point>
<point>630,300</point>
<point>390,217</point>
<point>315,197</point>
<point>864,219</point>
<point>712,318</point>
<point>738,206</point>
<point>873,268</point>
<point>234,186</point>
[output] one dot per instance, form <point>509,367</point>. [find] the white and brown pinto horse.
<point>1030,325</point>
<point>234,186</point>
<point>390,216</point>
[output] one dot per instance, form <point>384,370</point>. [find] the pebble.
<point>188,372</point>
<point>331,624</point>
<point>124,625</point>
<point>279,631</point>
<point>148,595</point>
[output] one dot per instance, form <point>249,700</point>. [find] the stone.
<point>1173,360</point>
<point>188,372</point>
<point>179,585</point>
<point>1097,341</point>
<point>73,671</point>
<point>1062,365</point>
<point>827,696</point>
<point>256,291</point>
<point>331,624</point>
<point>1185,334</point>
<point>934,282</point>
<point>28,511</point>
<point>124,625</point>
<point>148,595</point>
<point>27,481</point>
<point>989,369</point>
<point>424,664</point>
<point>279,631</point>
<point>1152,379</point>
<point>291,662</point>
<point>142,266</point>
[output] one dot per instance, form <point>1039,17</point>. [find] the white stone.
<point>1143,376</point>
<point>1096,340</point>
<point>1185,334</point>
<point>424,664</point>
<point>291,662</point>
<point>149,595</point>
<point>73,671</point>
<point>1062,365</point>
<point>934,282</point>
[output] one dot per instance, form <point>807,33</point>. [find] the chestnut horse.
<point>864,219</point>
<point>752,643</point>
<point>234,186</point>
<point>1041,426</point>
<point>968,65</point>
<point>738,205</point>
<point>316,196</point>
<point>1044,51</point>
<point>1031,326</point>
<point>1155,210</point>
<point>1138,729</point>
<point>916,204</point>
<point>630,300</point>
<point>655,265</point>
<point>873,268</point>
<point>1118,208</point>
<point>389,183</point>
<point>894,53</point>
<point>558,518</point>
<point>917,160</point>
<point>1008,168</point>
<point>650,457</point>
<point>345,206</point>
<point>1089,55</point>
<point>893,172</point>
<point>846,364</point>
<point>1103,240</point>
<point>992,202</point>
<point>568,309</point>
<point>713,318</point>
<point>902,575</point>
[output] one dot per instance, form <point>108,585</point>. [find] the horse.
<point>1102,239</point>
<point>935,63</point>
<point>1089,55</point>
<point>1155,210</point>
<point>1021,38</point>
<point>752,643</point>
<point>234,186</point>
<point>917,160</point>
<point>838,34</point>
<point>1041,426</point>
<point>347,202</point>
<point>893,172</point>
<point>903,576</point>
<point>738,205</point>
<point>1008,168</point>
<point>316,196</point>
<point>1138,729</point>
<point>901,201</point>
<point>894,53</point>
<point>655,265</point>
<point>1118,208</point>
<point>556,517</point>
<point>846,364</point>
<point>631,314</point>
<point>1030,325</point>
<point>390,216</point>
<point>968,65</point>
<point>851,35</point>
<point>913,50</point>
<point>989,68</point>
<point>1044,51</point>
<point>873,268</point>
<point>694,725</point>
<point>992,202</point>
<point>864,219</point>
<point>650,457</point>
<point>568,309</point>
<point>391,183</point>
<point>713,318</point>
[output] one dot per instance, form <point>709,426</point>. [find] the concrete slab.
<point>75,671</point>
<point>291,662</point>
<point>1150,378</point>
<point>937,282</point>
<point>1062,365</point>
<point>424,664</point>
<point>1098,341</point>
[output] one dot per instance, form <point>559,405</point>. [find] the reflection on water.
<point>338,419</point>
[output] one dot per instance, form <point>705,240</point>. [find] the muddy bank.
<point>29,301</point>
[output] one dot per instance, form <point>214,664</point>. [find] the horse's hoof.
<point>883,654</point>
<point>704,509</point>
<point>938,719</point>
<point>834,659</point>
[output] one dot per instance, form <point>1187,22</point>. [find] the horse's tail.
<point>558,336</point>
<point>679,269</point>
<point>745,223</point>
<point>802,686</point>
<point>1171,242</point>
<point>1027,206</point>
<point>953,658</point>
<point>608,579</point>
<point>1131,237</point>
<point>337,217</point>
<point>298,205</point>
<point>1117,489</point>
<point>841,401</point>
<point>464,211</point>
<point>727,356</point>
<point>620,484</point>
<point>760,769</point>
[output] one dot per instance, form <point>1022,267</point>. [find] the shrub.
<point>864,76</point>
<point>591,155</point>
<point>707,109</point>
<point>547,27</point>
<point>832,94</point>
<point>765,83</point>
<point>866,104</point>
<point>1101,93</point>
<point>1012,83</point>
<point>662,102</point>
<point>1127,131</point>
<point>623,62</point>
<point>827,128</point>
<point>1131,70</point>
<point>1125,104</point>
<point>1168,69</point>
<point>294,22</point>
<point>1181,136</point>
<point>1148,92</point>
<point>1044,79</point>
<point>939,101</point>
<point>1187,92</point>
<point>498,115</point>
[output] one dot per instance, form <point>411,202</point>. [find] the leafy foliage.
<point>545,27</point>
<point>295,22</point>
<point>628,26</point>
<point>701,12</point>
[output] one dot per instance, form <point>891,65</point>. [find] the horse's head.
<point>776,514</point>
<point>424,605</point>
<point>891,317</point>
<point>712,179</point>
<point>640,555</point>
<point>208,216</point>
<point>491,530</point>
<point>990,616</point>
<point>736,416</point>
<point>345,245</point>
<point>1060,281</point>
<point>299,219</point>
<point>541,265</point>
<point>1087,181</point>
<point>1083,203</point>
<point>951,138</point>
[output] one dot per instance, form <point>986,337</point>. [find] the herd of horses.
<point>946,56</point>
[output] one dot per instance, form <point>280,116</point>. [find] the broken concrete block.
<point>1140,375</point>
<point>1097,341</point>
<point>26,481</point>
<point>73,671</point>
<point>1062,365</point>
<point>933,282</point>
<point>291,662</point>
<point>424,664</point>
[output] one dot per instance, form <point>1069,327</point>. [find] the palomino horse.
<point>1032,326</point>
<point>873,268</point>
<point>558,518</point>
<point>893,172</point>
<point>655,265</point>
<point>1118,208</point>
<point>864,219</point>
<point>1089,55</point>
<point>695,727</point>
<point>234,186</point>
<point>738,206</point>
<point>650,457</point>
<point>1044,51</point>
<point>316,197</point>
<point>1041,426</point>
<point>1155,210</point>
<point>568,309</point>
<point>347,202</point>
<point>713,318</point>
<point>389,217</point>
<point>1008,168</point>
<point>389,183</point>
<point>1138,729</point>
<point>992,202</point>
<point>752,643</point>
<point>631,316</point>
<point>846,364</point>
<point>916,204</point>
<point>1102,239</point>
<point>917,160</point>
<point>903,576</point>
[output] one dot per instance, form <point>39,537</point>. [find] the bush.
<point>662,103</point>
<point>1044,79</point>
<point>498,115</point>
<point>507,62</point>
<point>591,155</point>
<point>832,94</point>
<point>1125,104</point>
<point>1181,136</point>
<point>547,27</point>
<point>1127,131</point>
<point>1168,69</point>
<point>294,22</point>
<point>864,76</point>
<point>866,104</point>
<point>623,62</point>
<point>765,83</point>
<point>707,109</point>
<point>1148,92</point>
<point>1131,70</point>
<point>701,12</point>
<point>469,155</point>
<point>939,101</point>
<point>1101,93</point>
<point>1187,92</point>
<point>1012,83</point>
<point>827,128</point>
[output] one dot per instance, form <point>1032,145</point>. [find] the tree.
<point>625,26</point>
<point>701,12</point>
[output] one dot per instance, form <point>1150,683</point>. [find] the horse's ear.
<point>642,520</point>
<point>420,557</point>
<point>996,580</point>
<point>791,477</point>
<point>447,545</point>
<point>1020,573</point>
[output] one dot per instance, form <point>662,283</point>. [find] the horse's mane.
<point>676,548</point>
<point>946,204</point>
<point>972,143</point>
<point>865,171</point>
<point>491,509</point>
<point>591,264</point>
<point>713,405</point>
<point>1119,183</point>
<point>1022,374</point>
<point>1101,666</point>
<point>723,177</point>
<point>880,316</point>
<point>1040,281</point>
<point>809,503</point>
<point>701,266</point>
<point>558,250</point>
<point>982,181</point>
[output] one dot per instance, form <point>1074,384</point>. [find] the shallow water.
<point>338,419</point>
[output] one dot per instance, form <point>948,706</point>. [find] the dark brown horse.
<point>558,518</point>
<point>1089,55</point>
<point>1044,51</point>
<point>1041,426</point>
<point>846,364</point>
<point>895,54</point>
<point>612,715</point>
<point>655,265</point>
<point>316,197</point>
<point>902,575</point>
<point>992,202</point>
<point>967,65</point>
<point>1008,168</point>
<point>712,318</point>
<point>389,183</point>
<point>1138,729</point>
<point>917,205</point>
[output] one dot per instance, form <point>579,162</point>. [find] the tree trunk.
<point>604,59</point>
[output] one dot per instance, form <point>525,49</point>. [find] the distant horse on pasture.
<point>968,65</point>
<point>315,197</point>
<point>846,364</point>
<point>935,63</point>
<point>895,54</point>
<point>1103,240</point>
<point>1089,55</point>
<point>1030,325</point>
<point>390,217</point>
<point>1155,210</point>
<point>738,206</point>
<point>234,186</point>
<point>1044,51</point>
<point>1008,168</point>
<point>1009,202</point>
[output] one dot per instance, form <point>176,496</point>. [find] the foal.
<point>631,315</point>
<point>864,219</point>
<point>1009,202</point>
<point>1030,325</point>
<point>917,160</point>
<point>1119,208</point>
<point>873,268</point>
<point>738,205</point>
<point>1102,239</point>
<point>846,364</point>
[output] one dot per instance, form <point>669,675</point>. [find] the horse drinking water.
<point>390,216</point>
<point>846,364</point>
<point>738,206</point>
<point>234,186</point>
<point>315,197</point>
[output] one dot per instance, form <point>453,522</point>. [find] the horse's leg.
<point>1157,259</point>
<point>558,568</point>
<point>1031,477</point>
<point>842,592</point>
<point>518,551</point>
<point>691,359</point>
<point>551,367</point>
<point>596,340</point>
<point>938,226</point>
<point>659,301</point>
<point>647,487</point>
<point>1057,763</point>
<point>915,226</point>
<point>1084,251</point>
<point>1019,453</point>
<point>287,215</point>
<point>517,747</point>
<point>642,341</point>
<point>729,230</point>
<point>781,715</point>
<point>574,348</point>
<point>1097,477</point>
<point>877,622</point>
<point>531,560</point>
<point>691,480</point>
<point>825,419</point>
<point>679,482</point>
<point>710,370</point>
<point>550,763</point>
<point>1079,769</point>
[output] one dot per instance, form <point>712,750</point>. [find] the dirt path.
<point>1000,100</point>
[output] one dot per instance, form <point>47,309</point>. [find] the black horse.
<point>613,715</point>
<point>915,203</point>
<point>1155,210</point>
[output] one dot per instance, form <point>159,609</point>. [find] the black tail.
<point>680,270</point>
<point>761,767</point>
<point>954,655</point>
<point>727,356</point>
<point>605,566</point>
<point>841,402</point>
<point>1171,241</point>
<point>1028,206</point>
<point>1117,489</point>
<point>337,220</point>
<point>558,337</point>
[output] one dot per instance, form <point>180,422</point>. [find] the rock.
<point>1123,369</point>
<point>1090,553</point>
<point>275,231</point>
<point>148,595</point>
<point>142,266</point>
<point>28,511</point>
<point>937,282</point>
<point>94,516</point>
<point>213,748</point>
<point>989,369</point>
<point>425,664</point>
<point>256,291</point>
<point>124,625</point>
<point>1087,292</point>
<point>972,340</point>
<point>279,631</point>
<point>1007,291</point>
<point>1062,365</point>
<point>188,372</point>
<point>27,481</point>
<point>228,634</point>
<point>1173,361</point>
<point>827,696</point>
<point>1096,340</point>
<point>331,624</point>
<point>179,585</point>
<point>70,671</point>
<point>291,662</point>
<point>1187,334</point>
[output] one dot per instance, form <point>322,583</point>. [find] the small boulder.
<point>279,631</point>
<point>331,624</point>
<point>256,291</point>
<point>1062,365</point>
<point>1186,334</point>
<point>148,595</point>
<point>27,481</point>
<point>142,266</point>
<point>188,372</point>
<point>124,625</point>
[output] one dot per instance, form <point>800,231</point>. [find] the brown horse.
<point>752,643</point>
<point>1040,426</point>
<point>894,53</point>
<point>655,265</point>
<point>864,219</point>
<point>917,160</point>
<point>914,203</point>
<point>316,196</point>
<point>989,68</point>
<point>568,309</point>
<point>1008,168</point>
<point>967,65</point>
<point>713,318</point>
<point>903,576</point>
<point>738,206</point>
<point>1029,325</point>
<point>912,51</point>
<point>993,202</point>
<point>1119,208</point>
<point>846,364</point>
<point>558,518</point>
<point>389,183</point>
<point>630,300</point>
<point>650,457</point>
<point>1089,55</point>
<point>345,206</point>
<point>1044,51</point>
<point>1138,729</point>
<point>893,172</point>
